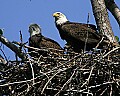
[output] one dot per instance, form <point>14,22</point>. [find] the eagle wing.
<point>78,31</point>
<point>49,43</point>
<point>41,42</point>
<point>34,40</point>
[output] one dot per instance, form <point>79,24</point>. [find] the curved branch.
<point>114,9</point>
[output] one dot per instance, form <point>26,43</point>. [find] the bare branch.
<point>114,9</point>
<point>13,47</point>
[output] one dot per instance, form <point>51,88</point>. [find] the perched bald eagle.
<point>75,33</point>
<point>37,40</point>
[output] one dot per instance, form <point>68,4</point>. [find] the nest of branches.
<point>68,74</point>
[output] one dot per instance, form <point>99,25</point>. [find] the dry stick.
<point>19,94</point>
<point>21,39</point>
<point>111,90</point>
<point>111,51</point>
<point>50,80</point>
<point>99,43</point>
<point>67,82</point>
<point>33,74</point>
<point>21,81</point>
<point>88,77</point>
<point>103,92</point>
<point>96,86</point>
<point>18,82</point>
<point>4,54</point>
<point>87,92</point>
<point>81,91</point>
<point>87,33</point>
<point>40,81</point>
<point>28,88</point>
<point>39,59</point>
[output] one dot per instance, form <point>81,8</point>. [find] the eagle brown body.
<point>39,41</point>
<point>75,34</point>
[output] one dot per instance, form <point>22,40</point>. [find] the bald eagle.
<point>37,40</point>
<point>75,33</point>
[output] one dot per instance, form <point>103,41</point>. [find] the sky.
<point>17,15</point>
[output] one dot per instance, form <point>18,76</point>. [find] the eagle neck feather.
<point>61,21</point>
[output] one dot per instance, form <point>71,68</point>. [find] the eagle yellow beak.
<point>55,15</point>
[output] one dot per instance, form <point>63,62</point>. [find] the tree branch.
<point>114,9</point>
<point>13,47</point>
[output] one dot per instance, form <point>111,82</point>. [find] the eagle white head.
<point>34,29</point>
<point>60,18</point>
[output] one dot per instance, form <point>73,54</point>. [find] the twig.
<point>77,91</point>
<point>99,43</point>
<point>33,74</point>
<point>111,90</point>
<point>88,77</point>
<point>21,37</point>
<point>51,79</point>
<point>43,74</point>
<point>4,54</point>
<point>111,51</point>
<point>103,92</point>
<point>87,32</point>
<point>67,82</point>
<point>18,82</point>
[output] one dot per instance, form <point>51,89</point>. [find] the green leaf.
<point>117,38</point>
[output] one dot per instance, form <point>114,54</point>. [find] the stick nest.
<point>67,74</point>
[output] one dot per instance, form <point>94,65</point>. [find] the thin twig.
<point>4,54</point>
<point>111,51</point>
<point>7,84</point>
<point>33,74</point>
<point>87,32</point>
<point>87,81</point>
<point>99,43</point>
<point>69,80</point>
<point>50,80</point>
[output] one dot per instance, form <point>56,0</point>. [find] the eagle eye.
<point>58,13</point>
<point>33,28</point>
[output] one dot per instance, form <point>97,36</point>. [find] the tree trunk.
<point>114,9</point>
<point>102,20</point>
